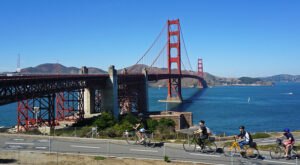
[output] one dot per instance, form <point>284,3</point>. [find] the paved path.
<point>119,148</point>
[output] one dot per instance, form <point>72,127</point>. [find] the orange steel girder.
<point>174,56</point>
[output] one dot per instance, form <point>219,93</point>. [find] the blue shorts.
<point>242,143</point>
<point>142,130</point>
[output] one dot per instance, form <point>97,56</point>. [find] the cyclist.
<point>202,131</point>
<point>141,126</point>
<point>247,139</point>
<point>288,144</point>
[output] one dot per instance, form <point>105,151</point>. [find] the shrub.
<point>104,121</point>
<point>166,122</point>
<point>99,158</point>
<point>111,132</point>
<point>165,129</point>
<point>83,132</point>
<point>166,159</point>
<point>152,124</point>
<point>130,118</point>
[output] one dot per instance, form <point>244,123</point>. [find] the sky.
<point>233,37</point>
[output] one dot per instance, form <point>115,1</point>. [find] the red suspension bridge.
<point>48,99</point>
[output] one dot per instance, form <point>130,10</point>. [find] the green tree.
<point>129,118</point>
<point>104,121</point>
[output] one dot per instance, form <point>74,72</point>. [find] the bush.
<point>130,118</point>
<point>104,121</point>
<point>166,159</point>
<point>33,132</point>
<point>83,132</point>
<point>166,129</point>
<point>152,124</point>
<point>111,132</point>
<point>260,135</point>
<point>166,122</point>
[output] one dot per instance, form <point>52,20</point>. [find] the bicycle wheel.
<point>276,152</point>
<point>190,144</point>
<point>152,141</point>
<point>228,150</point>
<point>294,152</point>
<point>252,153</point>
<point>210,147</point>
<point>131,138</point>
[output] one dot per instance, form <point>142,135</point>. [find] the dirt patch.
<point>34,158</point>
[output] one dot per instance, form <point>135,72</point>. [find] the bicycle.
<point>231,149</point>
<point>277,151</point>
<point>208,145</point>
<point>133,139</point>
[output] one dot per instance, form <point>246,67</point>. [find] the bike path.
<point>118,148</point>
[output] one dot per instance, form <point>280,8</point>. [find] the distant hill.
<point>282,78</point>
<point>50,68</point>
<point>212,80</point>
<point>186,82</point>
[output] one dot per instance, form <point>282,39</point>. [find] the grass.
<point>260,135</point>
<point>99,158</point>
<point>166,159</point>
<point>227,143</point>
<point>72,131</point>
<point>266,147</point>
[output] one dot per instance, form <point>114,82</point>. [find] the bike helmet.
<point>242,127</point>
<point>286,130</point>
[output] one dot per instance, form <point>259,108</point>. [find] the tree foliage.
<point>248,80</point>
<point>104,121</point>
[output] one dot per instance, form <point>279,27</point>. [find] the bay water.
<point>224,108</point>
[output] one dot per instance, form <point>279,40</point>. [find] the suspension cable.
<point>183,65</point>
<point>152,44</point>
<point>161,51</point>
<point>185,48</point>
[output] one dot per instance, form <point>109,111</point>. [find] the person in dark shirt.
<point>288,143</point>
<point>202,131</point>
<point>247,139</point>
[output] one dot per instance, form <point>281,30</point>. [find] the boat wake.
<point>289,93</point>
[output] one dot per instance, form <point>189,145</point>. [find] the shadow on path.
<point>7,161</point>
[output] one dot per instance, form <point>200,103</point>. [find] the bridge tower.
<point>200,67</point>
<point>174,56</point>
<point>200,71</point>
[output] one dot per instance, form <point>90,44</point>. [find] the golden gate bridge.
<point>49,99</point>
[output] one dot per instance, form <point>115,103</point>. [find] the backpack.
<point>250,137</point>
<point>208,131</point>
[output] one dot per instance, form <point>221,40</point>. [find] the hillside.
<point>50,68</point>
<point>282,78</point>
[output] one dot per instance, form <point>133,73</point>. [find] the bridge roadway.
<point>16,88</point>
<point>119,148</point>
